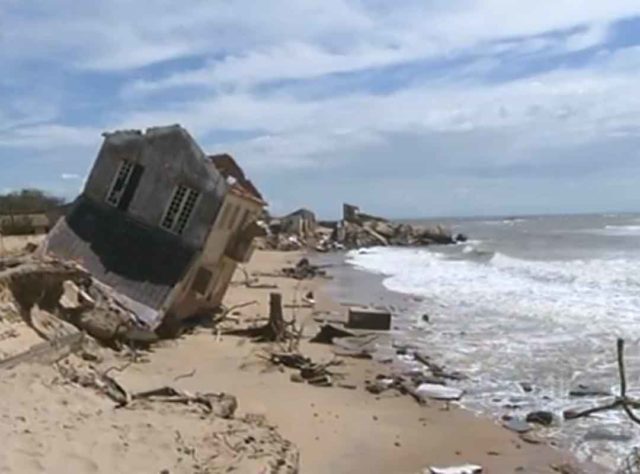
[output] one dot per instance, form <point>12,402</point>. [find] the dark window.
<point>130,188</point>
<point>120,182</point>
<point>180,209</point>
<point>201,281</point>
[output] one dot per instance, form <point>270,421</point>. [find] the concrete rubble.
<point>355,230</point>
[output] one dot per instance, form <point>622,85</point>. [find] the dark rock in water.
<point>540,417</point>
<point>460,238</point>
<point>526,386</point>
<point>425,318</point>
<point>604,434</point>
<point>567,468</point>
<point>583,390</point>
<point>517,425</point>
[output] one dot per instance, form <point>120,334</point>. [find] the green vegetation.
<point>28,201</point>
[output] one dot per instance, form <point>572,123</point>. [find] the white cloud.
<point>240,45</point>
<point>49,136</point>
<point>70,176</point>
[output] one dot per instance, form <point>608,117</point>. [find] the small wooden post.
<point>276,318</point>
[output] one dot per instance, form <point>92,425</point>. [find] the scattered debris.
<point>436,369</point>
<point>221,405</point>
<point>583,390</point>
<point>313,373</point>
<point>544,418</point>
<point>622,401</point>
<point>304,270</point>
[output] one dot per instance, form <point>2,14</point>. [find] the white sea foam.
<point>614,231</point>
<point>606,291</point>
<point>622,230</point>
<point>505,319</point>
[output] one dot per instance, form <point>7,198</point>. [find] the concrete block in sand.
<point>365,317</point>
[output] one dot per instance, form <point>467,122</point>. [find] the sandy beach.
<point>55,426</point>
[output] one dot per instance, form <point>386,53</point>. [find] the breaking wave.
<point>504,320</point>
<point>590,290</point>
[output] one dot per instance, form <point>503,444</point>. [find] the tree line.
<point>28,201</point>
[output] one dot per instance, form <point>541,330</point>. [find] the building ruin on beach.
<point>161,223</point>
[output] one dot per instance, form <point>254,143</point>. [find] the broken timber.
<point>46,352</point>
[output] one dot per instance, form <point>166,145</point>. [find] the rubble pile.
<point>355,230</point>
<point>56,298</point>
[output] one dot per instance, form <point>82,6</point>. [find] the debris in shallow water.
<point>517,425</point>
<point>439,392</point>
<point>540,417</point>
<point>584,390</point>
<point>526,386</point>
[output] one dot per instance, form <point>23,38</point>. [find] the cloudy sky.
<point>407,107</point>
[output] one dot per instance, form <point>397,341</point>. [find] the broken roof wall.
<point>170,157</point>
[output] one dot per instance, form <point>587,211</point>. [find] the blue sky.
<point>408,108</point>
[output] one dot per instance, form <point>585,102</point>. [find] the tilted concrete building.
<point>161,223</point>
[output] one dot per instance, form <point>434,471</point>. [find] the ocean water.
<point>539,300</point>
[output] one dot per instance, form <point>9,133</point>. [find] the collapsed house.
<point>301,222</point>
<point>160,223</point>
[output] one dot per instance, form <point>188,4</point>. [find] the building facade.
<point>149,223</point>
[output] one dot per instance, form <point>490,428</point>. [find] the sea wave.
<point>595,289</point>
<point>614,231</point>
<point>505,319</point>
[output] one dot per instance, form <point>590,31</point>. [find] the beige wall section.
<point>236,212</point>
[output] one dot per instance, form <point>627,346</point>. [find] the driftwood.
<point>309,371</point>
<point>49,351</point>
<point>404,385</point>
<point>437,370</point>
<point>622,401</point>
<point>218,404</point>
<point>253,283</point>
<point>231,309</point>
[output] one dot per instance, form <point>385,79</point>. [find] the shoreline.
<point>434,435</point>
<point>342,429</point>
